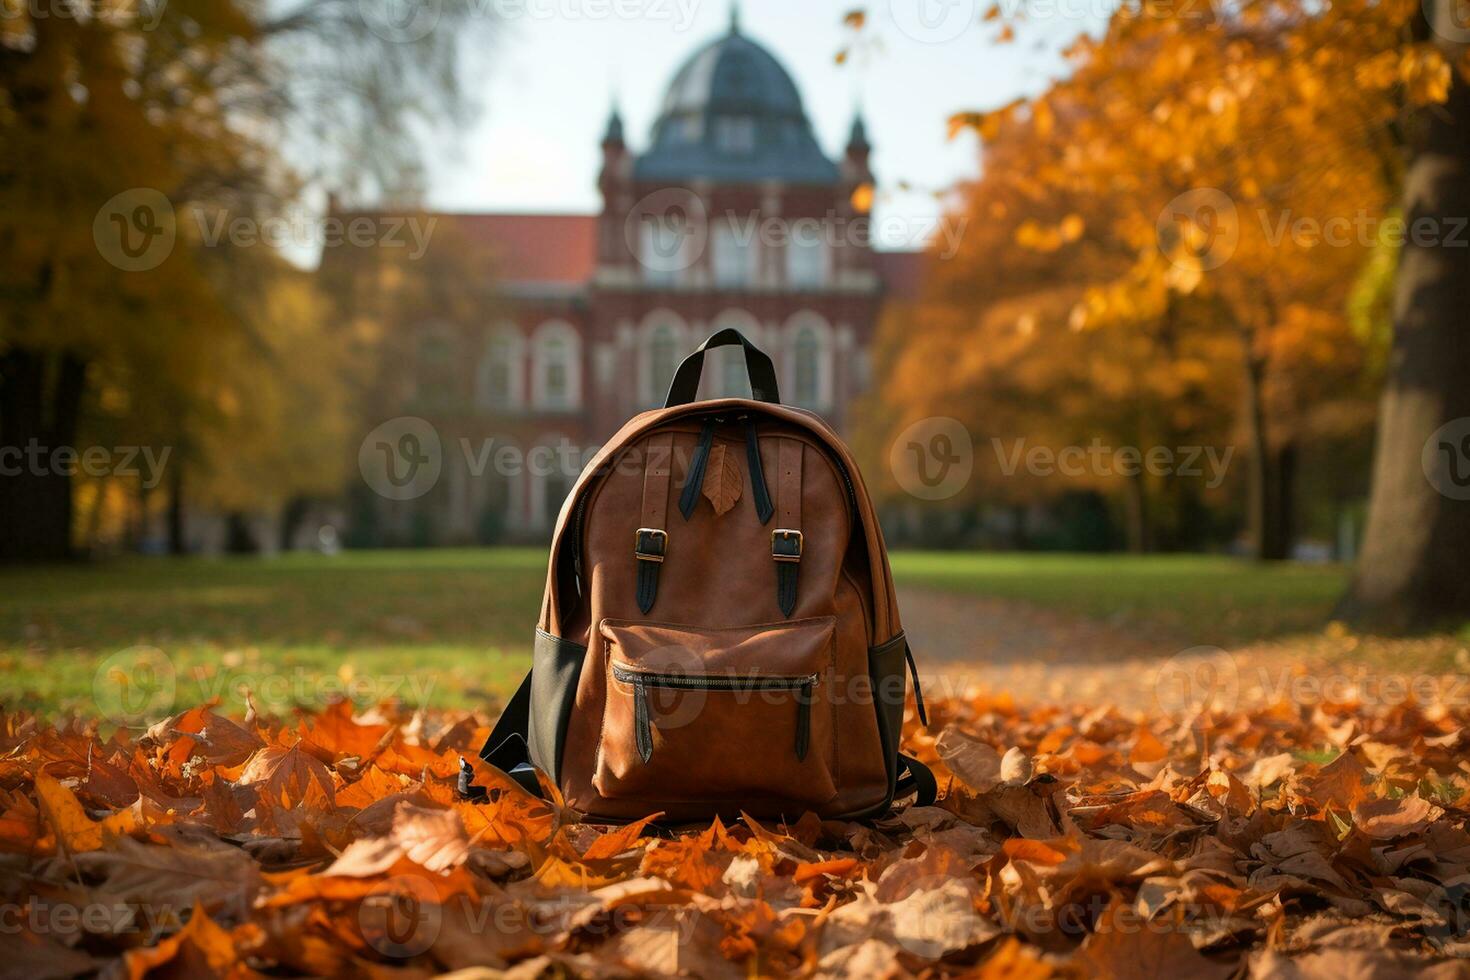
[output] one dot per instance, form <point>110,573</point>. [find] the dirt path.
<point>1039,655</point>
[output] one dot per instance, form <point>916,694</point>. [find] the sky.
<point>555,67</point>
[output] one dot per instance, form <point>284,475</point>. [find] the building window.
<point>806,261</point>
<point>727,374</point>
<point>734,253</point>
<point>556,368</point>
<point>661,360</point>
<point>810,362</point>
<point>664,246</point>
<point>498,381</point>
<point>734,380</point>
<point>735,134</point>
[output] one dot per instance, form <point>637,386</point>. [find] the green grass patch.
<point>143,636</point>
<point>1212,599</point>
<point>139,637</point>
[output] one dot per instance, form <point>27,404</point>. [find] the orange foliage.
<point>1068,841</point>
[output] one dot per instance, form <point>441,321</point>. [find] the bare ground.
<point>1041,655</point>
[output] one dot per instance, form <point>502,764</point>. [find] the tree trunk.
<point>239,538</point>
<point>1280,514</point>
<point>1135,513</point>
<point>292,516</point>
<point>1414,569</point>
<point>1265,505</point>
<point>1020,540</point>
<point>40,400</point>
<point>177,545</point>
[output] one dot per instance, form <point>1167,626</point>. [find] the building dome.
<point>733,114</point>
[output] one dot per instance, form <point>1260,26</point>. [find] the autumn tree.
<point>140,120</point>
<point>1246,148</point>
<point>1415,565</point>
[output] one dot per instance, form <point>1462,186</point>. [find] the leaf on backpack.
<point>722,480</point>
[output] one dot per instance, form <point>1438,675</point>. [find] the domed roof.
<point>733,114</point>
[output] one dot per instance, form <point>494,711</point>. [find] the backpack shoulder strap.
<point>918,779</point>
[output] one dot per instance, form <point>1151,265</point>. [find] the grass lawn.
<point>136,638</point>
<point>1215,599</point>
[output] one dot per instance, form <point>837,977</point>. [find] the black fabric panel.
<point>556,669</point>
<point>886,665</point>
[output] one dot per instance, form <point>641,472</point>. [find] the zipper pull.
<point>803,719</point>
<point>694,479</point>
<point>642,727</point>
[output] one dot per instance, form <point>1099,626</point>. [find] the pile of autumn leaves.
<point>1282,841</point>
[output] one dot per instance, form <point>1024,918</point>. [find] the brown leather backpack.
<point>719,631</point>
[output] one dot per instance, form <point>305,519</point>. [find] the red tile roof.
<point>530,248</point>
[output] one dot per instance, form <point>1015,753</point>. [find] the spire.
<point>734,16</point>
<point>858,138</point>
<point>614,133</point>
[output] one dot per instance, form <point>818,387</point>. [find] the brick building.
<point>731,216</point>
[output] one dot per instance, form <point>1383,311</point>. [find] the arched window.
<point>552,463</point>
<point>726,374</point>
<point>734,379</point>
<point>662,348</point>
<point>808,376</point>
<point>498,379</point>
<point>809,363</point>
<point>556,368</point>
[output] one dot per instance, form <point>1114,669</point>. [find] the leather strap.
<point>650,545</point>
<point>758,367</point>
<point>694,478</point>
<point>760,493</point>
<point>786,541</point>
<point>908,654</point>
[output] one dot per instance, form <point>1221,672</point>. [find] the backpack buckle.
<point>650,544</point>
<point>786,544</point>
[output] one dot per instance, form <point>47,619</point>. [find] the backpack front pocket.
<point>740,714</point>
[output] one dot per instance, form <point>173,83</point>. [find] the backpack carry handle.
<point>758,368</point>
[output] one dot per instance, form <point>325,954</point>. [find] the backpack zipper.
<point>804,684</point>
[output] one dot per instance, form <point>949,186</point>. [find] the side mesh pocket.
<point>556,669</point>
<point>886,669</point>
